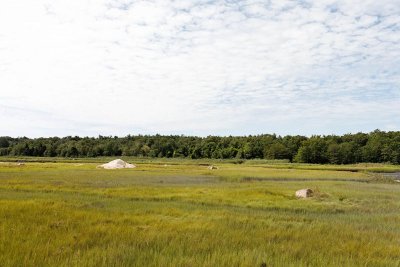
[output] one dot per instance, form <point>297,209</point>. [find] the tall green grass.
<point>72,214</point>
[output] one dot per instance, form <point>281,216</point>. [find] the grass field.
<point>179,213</point>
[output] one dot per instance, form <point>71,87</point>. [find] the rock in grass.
<point>212,167</point>
<point>304,193</point>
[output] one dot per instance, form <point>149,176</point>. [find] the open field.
<point>179,213</point>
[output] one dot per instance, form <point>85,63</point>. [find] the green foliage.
<point>276,150</point>
<point>376,147</point>
<point>313,150</point>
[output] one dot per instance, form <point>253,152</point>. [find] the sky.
<point>118,67</point>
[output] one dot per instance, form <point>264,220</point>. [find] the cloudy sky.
<point>117,67</point>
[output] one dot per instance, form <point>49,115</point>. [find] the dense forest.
<point>377,146</point>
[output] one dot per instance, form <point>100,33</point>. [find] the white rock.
<point>304,193</point>
<point>117,164</point>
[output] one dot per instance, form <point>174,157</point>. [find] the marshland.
<point>180,213</point>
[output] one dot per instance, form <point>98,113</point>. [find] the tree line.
<point>377,146</point>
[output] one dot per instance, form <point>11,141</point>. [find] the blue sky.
<point>117,67</point>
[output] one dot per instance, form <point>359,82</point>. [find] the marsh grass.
<point>182,214</point>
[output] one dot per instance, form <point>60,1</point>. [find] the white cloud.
<point>195,67</point>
